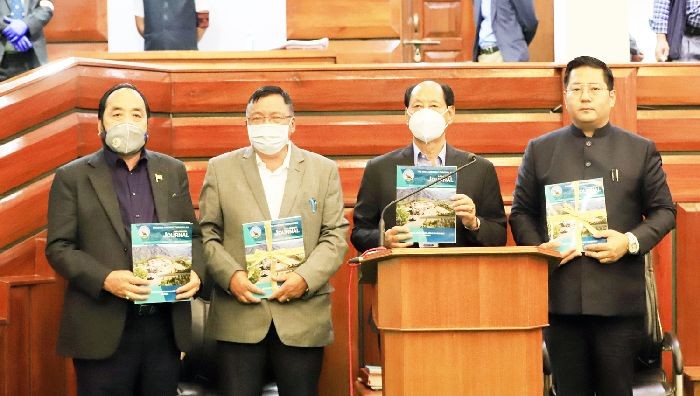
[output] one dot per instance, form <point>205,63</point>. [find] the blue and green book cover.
<point>162,254</point>
<point>575,210</point>
<point>272,248</point>
<point>428,214</point>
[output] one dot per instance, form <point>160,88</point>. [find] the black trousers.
<point>147,361</point>
<point>16,63</point>
<point>244,368</point>
<point>593,354</point>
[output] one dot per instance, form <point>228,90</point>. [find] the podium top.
<point>460,251</point>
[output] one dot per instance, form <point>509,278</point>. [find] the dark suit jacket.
<point>87,241</point>
<point>640,202</point>
<point>36,17</point>
<point>478,181</point>
<point>514,23</point>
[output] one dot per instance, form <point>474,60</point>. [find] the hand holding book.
<point>610,251</point>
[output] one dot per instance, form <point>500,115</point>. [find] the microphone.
<point>382,224</point>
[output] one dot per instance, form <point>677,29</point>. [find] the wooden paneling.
<point>58,51</point>
<point>24,211</point>
<point>660,85</point>
<point>625,111</point>
<point>40,151</point>
<point>442,19</point>
<point>688,282</point>
<point>78,21</point>
<point>671,130</point>
<point>340,19</point>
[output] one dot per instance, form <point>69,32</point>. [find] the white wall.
<point>597,28</point>
<point>234,25</point>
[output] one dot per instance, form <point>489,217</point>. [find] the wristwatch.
<point>632,243</point>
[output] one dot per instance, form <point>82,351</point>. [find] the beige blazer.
<point>232,195</point>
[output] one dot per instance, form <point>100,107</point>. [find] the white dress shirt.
<point>273,182</point>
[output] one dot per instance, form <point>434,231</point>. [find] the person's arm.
<point>365,232</point>
<point>525,13</point>
<point>62,246</point>
<point>39,17</point>
<point>139,24</point>
<point>325,259</point>
<point>220,263</point>
<point>658,208</point>
<point>490,211</point>
<point>186,213</point>
<point>525,214</point>
<point>659,24</point>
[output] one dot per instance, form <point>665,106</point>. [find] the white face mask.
<point>125,138</point>
<point>427,125</point>
<point>268,138</point>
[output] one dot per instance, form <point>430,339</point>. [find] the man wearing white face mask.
<point>478,203</point>
<point>118,347</point>
<point>268,180</point>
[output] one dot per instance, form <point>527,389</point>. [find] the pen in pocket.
<point>312,201</point>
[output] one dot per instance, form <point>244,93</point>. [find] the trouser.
<point>690,48</point>
<point>244,368</point>
<point>593,354</point>
<point>16,63</point>
<point>146,363</point>
<point>495,57</point>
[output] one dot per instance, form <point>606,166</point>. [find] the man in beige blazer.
<point>271,179</point>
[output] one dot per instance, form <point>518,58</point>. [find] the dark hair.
<point>590,62</point>
<point>103,101</point>
<point>446,92</point>
<point>268,90</point>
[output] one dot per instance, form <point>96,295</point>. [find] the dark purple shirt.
<point>133,190</point>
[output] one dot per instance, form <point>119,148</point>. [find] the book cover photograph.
<point>272,248</point>
<point>162,254</point>
<point>428,214</point>
<point>575,210</point>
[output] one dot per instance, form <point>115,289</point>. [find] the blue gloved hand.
<point>23,44</point>
<point>15,29</point>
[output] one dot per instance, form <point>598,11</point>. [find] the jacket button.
<point>124,250</point>
<point>588,163</point>
<point>588,143</point>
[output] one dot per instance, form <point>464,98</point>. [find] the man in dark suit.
<point>22,44</point>
<point>596,297</point>
<point>478,203</point>
<point>118,347</point>
<point>504,29</point>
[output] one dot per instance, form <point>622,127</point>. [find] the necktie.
<point>17,7</point>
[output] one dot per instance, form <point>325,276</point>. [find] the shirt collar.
<point>417,154</point>
<point>113,159</point>
<point>598,133</point>
<point>285,163</point>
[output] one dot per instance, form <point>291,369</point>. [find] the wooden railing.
<point>347,112</point>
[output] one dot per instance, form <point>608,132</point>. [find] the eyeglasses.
<point>275,119</point>
<point>593,90</point>
<point>417,107</point>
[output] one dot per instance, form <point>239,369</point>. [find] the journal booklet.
<point>162,254</point>
<point>272,248</point>
<point>575,210</point>
<point>428,213</point>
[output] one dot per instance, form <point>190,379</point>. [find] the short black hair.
<point>590,62</point>
<point>103,101</point>
<point>268,90</point>
<point>446,91</point>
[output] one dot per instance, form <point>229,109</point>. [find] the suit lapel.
<point>406,157</point>
<point>101,180</point>
<point>294,178</point>
<point>158,176</point>
<point>454,157</point>
<point>252,176</point>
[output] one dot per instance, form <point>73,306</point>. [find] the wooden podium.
<point>462,321</point>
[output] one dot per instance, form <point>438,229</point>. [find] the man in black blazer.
<point>596,297</point>
<point>118,347</point>
<point>478,203</point>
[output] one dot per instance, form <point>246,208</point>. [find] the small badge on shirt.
<point>158,177</point>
